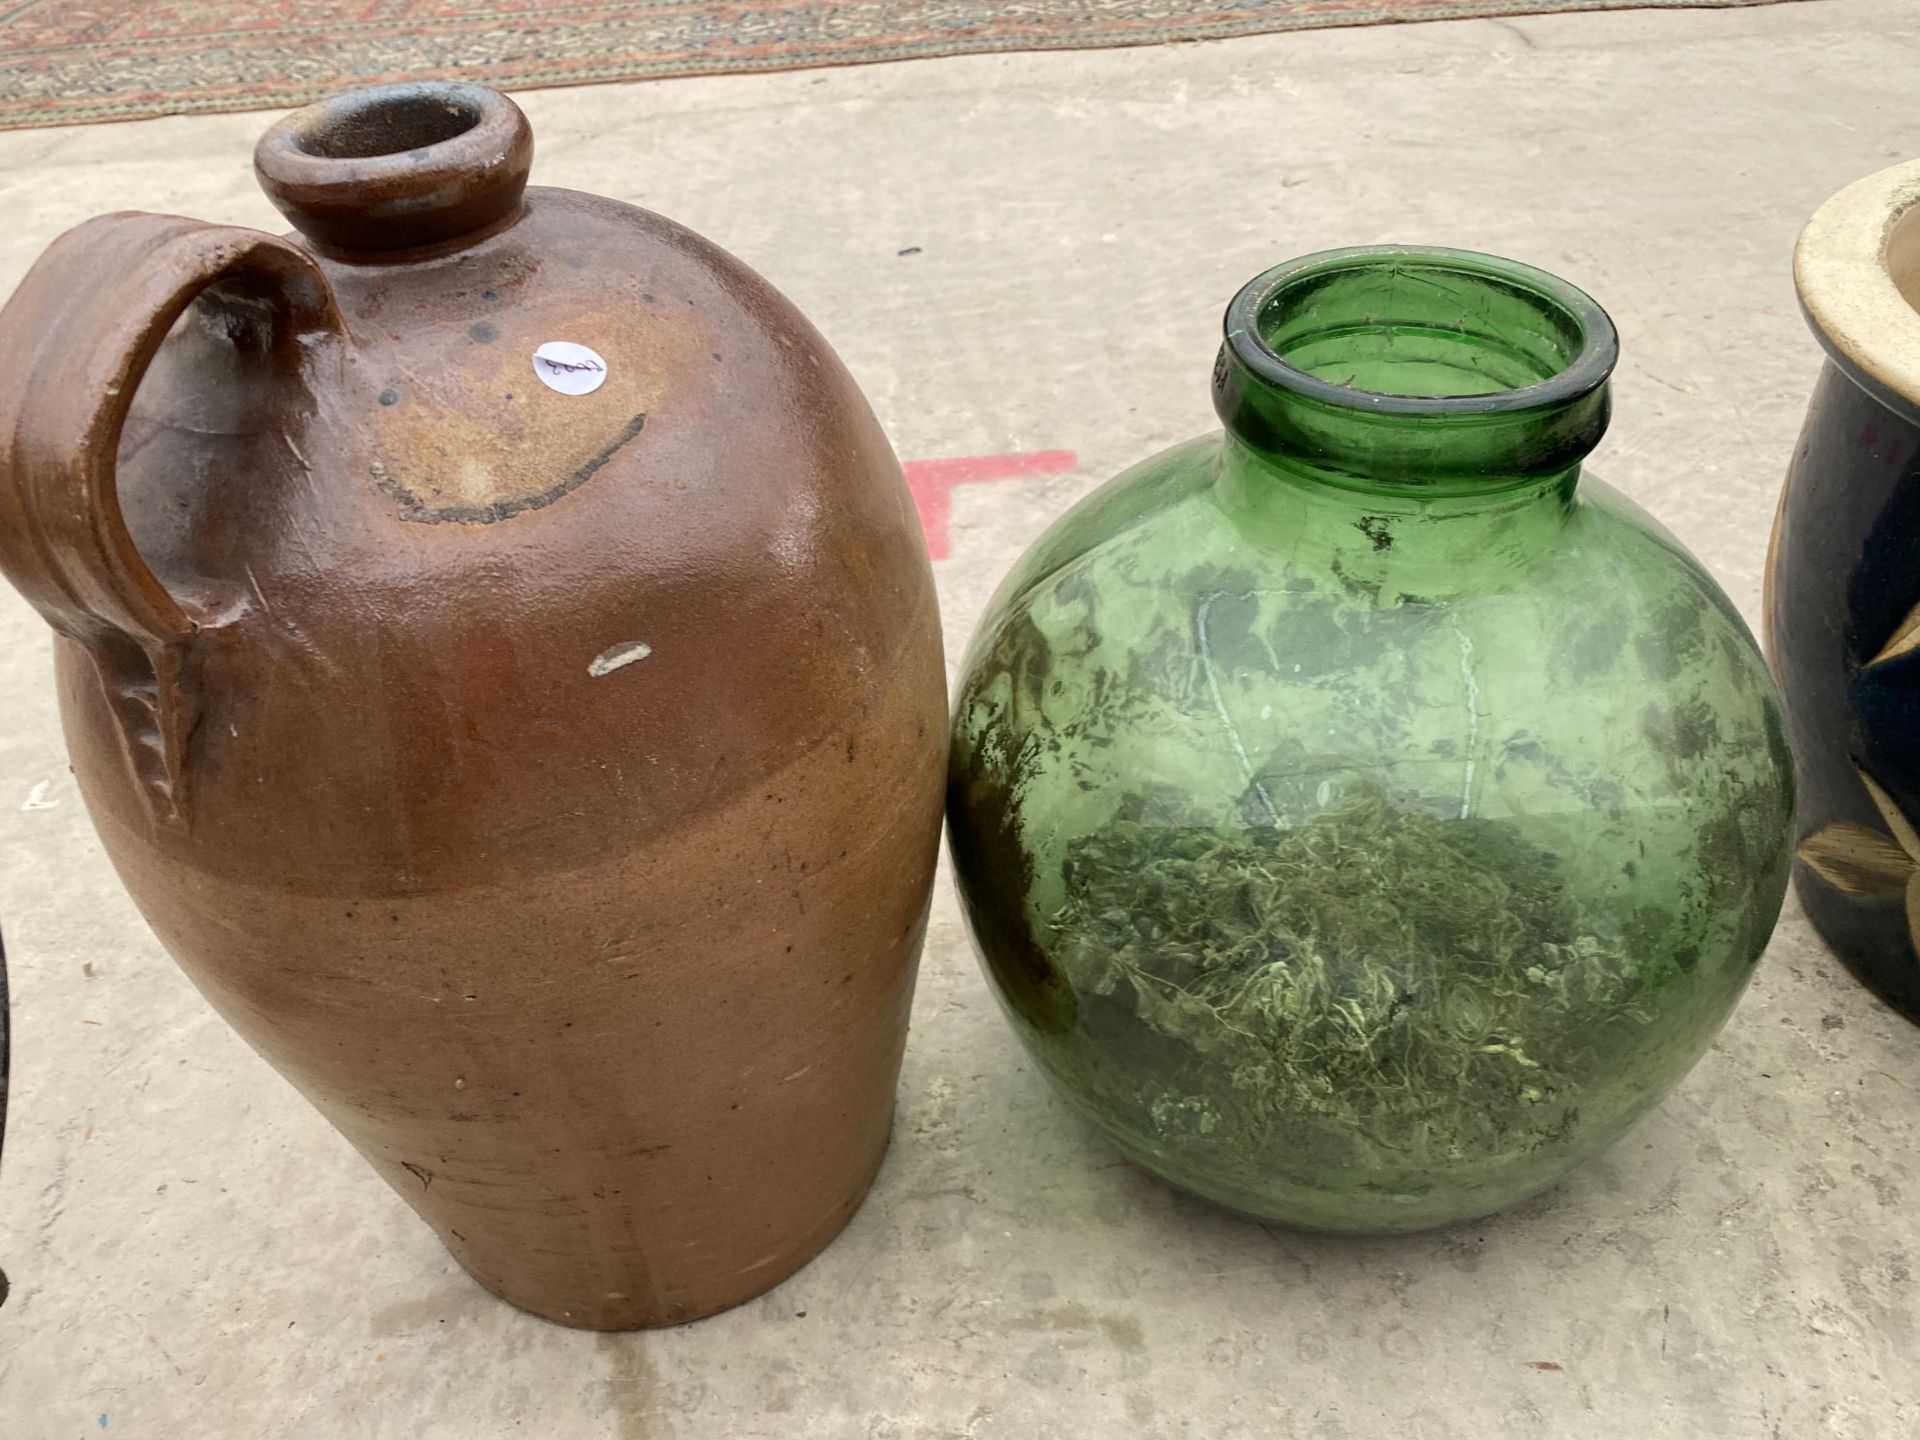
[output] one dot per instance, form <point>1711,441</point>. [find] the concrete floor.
<point>195,1253</point>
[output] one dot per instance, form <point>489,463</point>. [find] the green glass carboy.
<point>1364,817</point>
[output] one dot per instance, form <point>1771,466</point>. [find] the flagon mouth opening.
<point>387,121</point>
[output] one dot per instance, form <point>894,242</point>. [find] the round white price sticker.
<point>569,368</point>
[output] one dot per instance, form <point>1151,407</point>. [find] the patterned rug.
<point>69,61</point>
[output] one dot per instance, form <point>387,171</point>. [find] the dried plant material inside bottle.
<point>1380,987</point>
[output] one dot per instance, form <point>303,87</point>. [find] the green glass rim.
<point>1585,372</point>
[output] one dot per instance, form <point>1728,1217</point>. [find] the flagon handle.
<point>76,337</point>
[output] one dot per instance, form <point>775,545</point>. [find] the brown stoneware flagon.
<point>536,757</point>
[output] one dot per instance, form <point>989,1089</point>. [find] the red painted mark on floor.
<point>931,483</point>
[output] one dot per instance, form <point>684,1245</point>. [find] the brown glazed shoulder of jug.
<point>540,765</point>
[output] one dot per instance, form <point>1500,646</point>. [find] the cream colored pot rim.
<point>1857,268</point>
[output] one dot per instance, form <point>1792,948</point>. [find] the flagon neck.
<point>1416,372</point>
<point>397,169</point>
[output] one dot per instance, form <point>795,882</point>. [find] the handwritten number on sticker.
<point>570,368</point>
